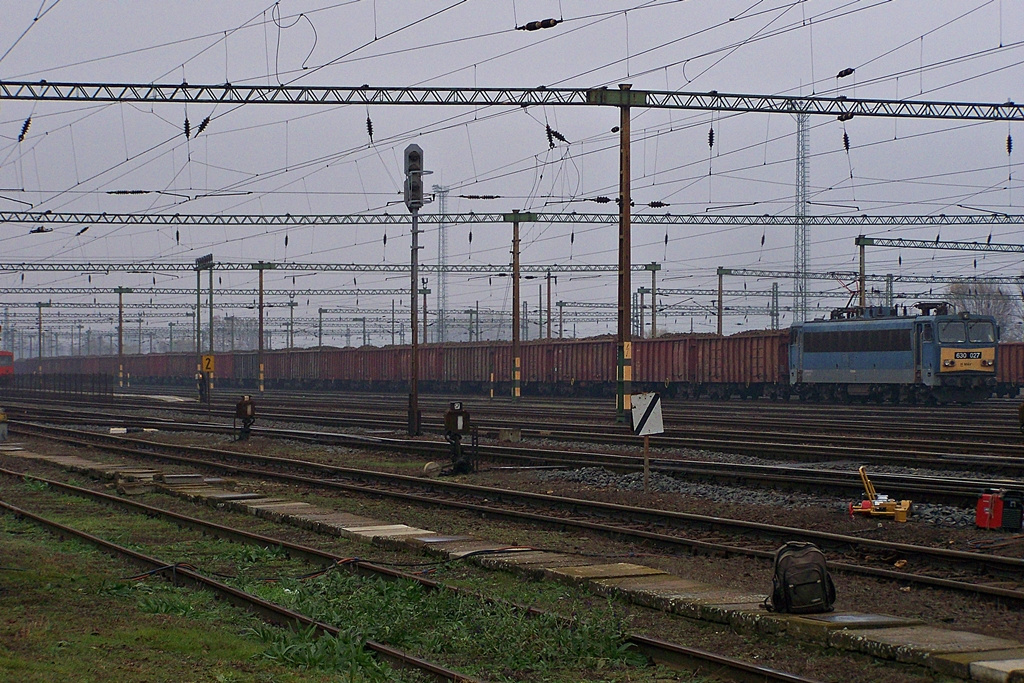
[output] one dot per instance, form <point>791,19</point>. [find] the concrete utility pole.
<point>41,305</point>
<point>516,218</point>
<point>803,125</point>
<point>260,267</point>
<point>441,193</point>
<point>121,291</point>
<point>623,404</point>
<point>654,268</point>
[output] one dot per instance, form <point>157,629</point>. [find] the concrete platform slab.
<point>959,663</point>
<point>532,559</point>
<point>277,504</point>
<point>437,538</point>
<point>386,531</point>
<point>592,572</point>
<point>182,478</point>
<point>232,495</point>
<point>816,627</point>
<point>915,644</point>
<point>461,549</point>
<point>998,671</point>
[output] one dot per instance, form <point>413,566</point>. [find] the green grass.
<point>494,642</point>
<point>67,616</point>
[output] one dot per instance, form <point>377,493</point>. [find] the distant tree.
<point>1005,305</point>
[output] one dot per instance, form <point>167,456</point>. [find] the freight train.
<point>6,366</point>
<point>873,354</point>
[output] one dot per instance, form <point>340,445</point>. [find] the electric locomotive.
<point>876,353</point>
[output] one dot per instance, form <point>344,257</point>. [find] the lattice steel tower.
<point>800,226</point>
<point>441,195</point>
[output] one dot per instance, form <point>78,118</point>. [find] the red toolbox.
<point>989,514</point>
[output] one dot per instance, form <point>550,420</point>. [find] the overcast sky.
<point>320,159</point>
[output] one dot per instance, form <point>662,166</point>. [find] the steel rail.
<point>656,649</point>
<point>269,611</point>
<point>326,476</point>
<point>958,491</point>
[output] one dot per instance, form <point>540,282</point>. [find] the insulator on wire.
<point>537,25</point>
<point>369,128</point>
<point>558,136</point>
<point>572,237</point>
<point>24,129</point>
<point>656,204</point>
<point>202,125</point>
<point>846,141</point>
<point>551,141</point>
<point>845,72</point>
<point>471,237</point>
<point>286,240</point>
<point>188,127</point>
<point>601,200</point>
<point>385,239</point>
<point>177,237</point>
<point>711,138</point>
<point>1009,144</point>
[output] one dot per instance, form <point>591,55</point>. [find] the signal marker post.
<point>647,420</point>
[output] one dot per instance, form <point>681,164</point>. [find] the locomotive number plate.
<point>967,355</point>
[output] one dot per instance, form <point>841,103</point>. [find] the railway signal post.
<point>414,201</point>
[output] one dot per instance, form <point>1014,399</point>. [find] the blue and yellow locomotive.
<point>878,354</point>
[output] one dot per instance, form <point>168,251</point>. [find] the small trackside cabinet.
<point>1013,511</point>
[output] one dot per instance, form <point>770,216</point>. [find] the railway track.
<point>933,567</point>
<point>655,649</point>
<point>960,491</point>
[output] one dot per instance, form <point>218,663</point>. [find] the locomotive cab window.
<point>926,333</point>
<point>953,332</point>
<point>6,360</point>
<point>981,331</point>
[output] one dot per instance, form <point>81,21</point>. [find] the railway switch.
<point>456,426</point>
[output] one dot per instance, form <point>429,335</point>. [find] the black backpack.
<point>801,584</point>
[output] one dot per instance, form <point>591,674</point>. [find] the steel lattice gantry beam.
<point>154,267</point>
<point>769,293</point>
<point>78,218</point>
<point>863,241</point>
<point>227,93</point>
<point>220,292</point>
<point>849,275</point>
<point>140,306</point>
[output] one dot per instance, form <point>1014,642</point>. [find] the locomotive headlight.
<point>987,363</point>
<point>948,363</point>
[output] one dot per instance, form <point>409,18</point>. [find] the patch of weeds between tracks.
<point>344,653</point>
<point>495,642</point>
<point>35,485</point>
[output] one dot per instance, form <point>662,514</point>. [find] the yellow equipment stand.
<point>878,505</point>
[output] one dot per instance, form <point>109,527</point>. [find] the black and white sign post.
<point>647,420</point>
